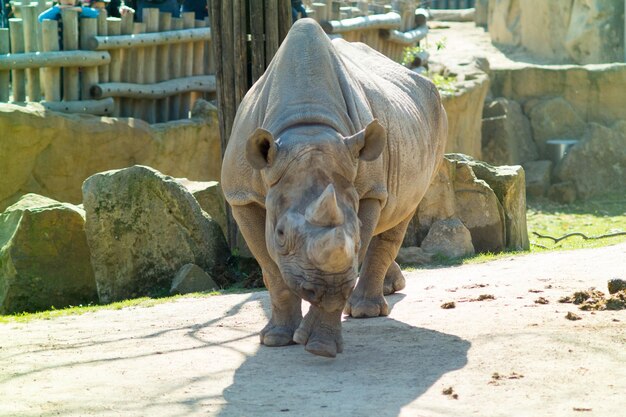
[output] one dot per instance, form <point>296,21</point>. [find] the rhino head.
<point>312,224</point>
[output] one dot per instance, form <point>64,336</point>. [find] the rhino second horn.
<point>325,211</point>
<point>333,251</point>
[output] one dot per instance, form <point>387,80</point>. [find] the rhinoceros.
<point>330,153</point>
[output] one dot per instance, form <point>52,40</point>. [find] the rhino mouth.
<point>327,291</point>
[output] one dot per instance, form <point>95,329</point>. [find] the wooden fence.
<point>156,69</point>
<point>153,70</point>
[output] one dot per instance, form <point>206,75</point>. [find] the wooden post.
<point>271,29</point>
<point>198,62</point>
<point>240,36</point>
<point>138,71</point>
<point>103,30</point>
<point>151,19</point>
<point>284,19</point>
<point>185,101</point>
<point>16,26</point>
<point>257,44</point>
<point>176,61</point>
<point>114,28</point>
<point>163,67</point>
<point>51,80</point>
<point>88,28</point>
<point>127,57</point>
<point>5,48</point>
<point>30,45</point>
<point>71,81</point>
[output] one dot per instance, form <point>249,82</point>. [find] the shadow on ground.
<point>371,377</point>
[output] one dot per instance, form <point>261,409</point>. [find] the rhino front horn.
<point>333,251</point>
<point>325,211</point>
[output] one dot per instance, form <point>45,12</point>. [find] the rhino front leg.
<point>286,306</point>
<point>320,332</point>
<point>367,300</point>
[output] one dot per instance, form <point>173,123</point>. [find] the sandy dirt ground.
<point>508,356</point>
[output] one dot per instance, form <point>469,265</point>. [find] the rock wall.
<point>52,154</point>
<point>563,31</point>
<point>594,91</point>
<point>464,106</point>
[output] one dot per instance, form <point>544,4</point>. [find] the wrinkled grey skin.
<point>330,153</point>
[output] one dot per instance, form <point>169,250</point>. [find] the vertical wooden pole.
<point>151,19</point>
<point>163,67</point>
<point>271,29</point>
<point>128,57</point>
<point>284,19</point>
<point>51,80</point>
<point>30,45</point>
<point>221,30</point>
<point>138,71</point>
<point>208,51</point>
<point>16,26</point>
<point>240,46</point>
<point>71,81</point>
<point>185,104</point>
<point>5,48</point>
<point>176,60</point>
<point>198,61</point>
<point>257,44</point>
<point>114,28</point>
<point>103,30</point>
<point>88,29</point>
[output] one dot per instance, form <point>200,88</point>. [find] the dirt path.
<point>503,357</point>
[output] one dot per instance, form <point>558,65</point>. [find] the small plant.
<point>444,83</point>
<point>410,54</point>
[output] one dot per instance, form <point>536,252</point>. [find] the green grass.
<point>595,217</point>
<point>598,216</point>
<point>136,302</point>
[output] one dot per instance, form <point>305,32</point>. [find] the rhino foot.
<point>274,335</point>
<point>394,279</point>
<point>361,307</point>
<point>320,332</point>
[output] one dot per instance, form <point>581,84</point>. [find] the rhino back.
<point>312,80</point>
<point>409,107</point>
<point>304,84</point>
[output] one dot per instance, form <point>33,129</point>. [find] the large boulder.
<point>449,238</point>
<point>561,31</point>
<point>479,209</point>
<point>53,153</point>
<point>211,199</point>
<point>503,17</point>
<point>489,201</point>
<point>44,257</point>
<point>554,118</point>
<point>538,177</point>
<point>142,227</point>
<point>595,32</point>
<point>509,185</point>
<point>597,163</point>
<point>506,134</point>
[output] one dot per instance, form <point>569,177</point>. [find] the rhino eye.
<point>280,236</point>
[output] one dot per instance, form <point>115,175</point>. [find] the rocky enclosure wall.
<point>561,31</point>
<point>52,153</point>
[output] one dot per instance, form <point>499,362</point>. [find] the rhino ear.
<point>260,149</point>
<point>368,144</point>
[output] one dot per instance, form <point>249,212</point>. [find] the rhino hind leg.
<point>320,332</point>
<point>368,300</point>
<point>286,306</point>
<point>394,279</point>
